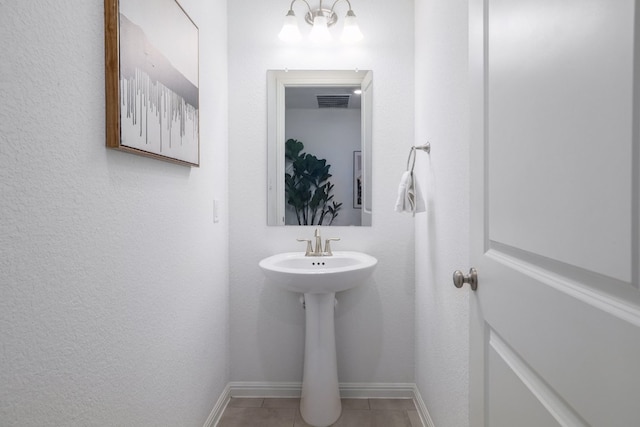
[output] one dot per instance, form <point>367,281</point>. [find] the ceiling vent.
<point>333,101</point>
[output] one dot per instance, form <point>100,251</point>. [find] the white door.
<point>555,168</point>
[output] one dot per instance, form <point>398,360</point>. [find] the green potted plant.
<point>307,186</point>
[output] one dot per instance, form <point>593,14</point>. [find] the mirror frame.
<point>277,81</point>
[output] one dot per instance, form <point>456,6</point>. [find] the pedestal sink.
<point>319,278</point>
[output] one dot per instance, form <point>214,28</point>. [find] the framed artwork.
<point>152,81</point>
<point>357,179</point>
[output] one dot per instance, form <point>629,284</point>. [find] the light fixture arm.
<point>335,3</point>
<point>305,2</point>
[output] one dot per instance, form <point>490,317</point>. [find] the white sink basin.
<point>316,275</point>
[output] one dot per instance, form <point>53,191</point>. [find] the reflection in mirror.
<point>319,154</point>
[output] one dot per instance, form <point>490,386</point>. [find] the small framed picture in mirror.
<point>357,179</point>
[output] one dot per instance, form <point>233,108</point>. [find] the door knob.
<point>460,279</point>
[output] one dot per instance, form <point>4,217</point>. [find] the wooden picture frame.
<point>152,80</point>
<point>357,179</point>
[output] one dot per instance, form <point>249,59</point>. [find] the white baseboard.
<point>218,409</point>
<point>425,417</point>
<point>350,390</point>
<point>265,389</point>
<point>294,389</point>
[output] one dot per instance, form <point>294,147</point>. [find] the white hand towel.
<point>409,196</point>
<point>403,189</point>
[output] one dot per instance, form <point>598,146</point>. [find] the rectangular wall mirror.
<point>319,153</point>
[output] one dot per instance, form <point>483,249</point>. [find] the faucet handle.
<point>309,248</point>
<point>327,245</point>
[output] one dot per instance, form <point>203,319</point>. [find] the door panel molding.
<point>572,286</point>
<point>553,403</point>
<point>607,285</point>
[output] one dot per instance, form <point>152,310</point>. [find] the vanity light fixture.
<point>320,19</point>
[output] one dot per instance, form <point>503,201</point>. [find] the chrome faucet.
<point>318,248</point>
<point>317,251</point>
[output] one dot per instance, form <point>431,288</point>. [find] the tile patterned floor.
<point>255,412</point>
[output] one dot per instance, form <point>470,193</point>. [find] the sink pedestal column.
<point>320,402</point>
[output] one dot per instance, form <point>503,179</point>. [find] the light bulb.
<point>351,31</point>
<point>290,32</point>
<point>320,31</point>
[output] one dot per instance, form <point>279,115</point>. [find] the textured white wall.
<point>442,235</point>
<point>374,323</point>
<point>113,277</point>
